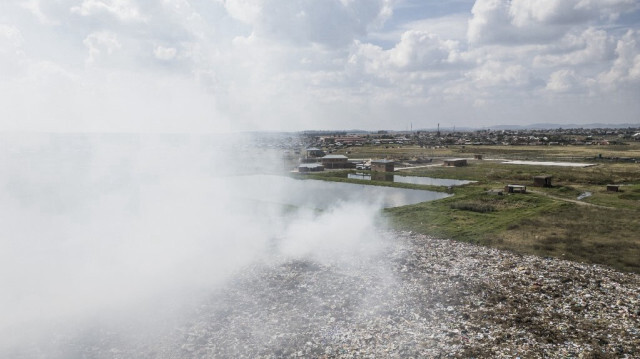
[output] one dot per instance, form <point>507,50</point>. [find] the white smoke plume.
<point>98,228</point>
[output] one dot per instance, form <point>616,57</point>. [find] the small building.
<point>477,157</point>
<point>613,187</point>
<point>542,181</point>
<point>315,152</point>
<point>515,188</point>
<point>335,161</point>
<point>455,162</point>
<point>310,167</point>
<point>382,165</point>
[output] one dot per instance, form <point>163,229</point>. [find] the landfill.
<point>419,297</point>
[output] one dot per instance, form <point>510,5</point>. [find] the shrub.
<point>631,196</point>
<point>473,207</point>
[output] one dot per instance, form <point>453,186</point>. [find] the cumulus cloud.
<point>121,9</point>
<point>495,74</point>
<point>35,8</point>
<point>416,51</point>
<point>626,67</point>
<point>525,21</point>
<point>165,53</point>
<point>423,50</point>
<point>262,64</point>
<point>12,55</point>
<point>101,44</point>
<point>563,81</point>
<point>590,46</point>
<point>331,23</point>
<point>562,12</point>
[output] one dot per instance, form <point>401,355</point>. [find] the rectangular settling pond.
<point>430,181</point>
<point>323,194</point>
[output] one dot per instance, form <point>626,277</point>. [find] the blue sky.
<point>237,65</point>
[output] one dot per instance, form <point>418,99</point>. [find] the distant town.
<point>333,140</point>
<point>312,151</point>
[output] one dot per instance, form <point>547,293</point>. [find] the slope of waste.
<point>420,297</point>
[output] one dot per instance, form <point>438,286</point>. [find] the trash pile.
<point>423,298</point>
<point>420,297</point>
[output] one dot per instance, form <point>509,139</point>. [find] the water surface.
<point>430,181</point>
<point>324,194</point>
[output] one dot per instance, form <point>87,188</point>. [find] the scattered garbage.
<point>420,297</point>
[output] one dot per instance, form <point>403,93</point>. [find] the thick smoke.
<point>98,230</point>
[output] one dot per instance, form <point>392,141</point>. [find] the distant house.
<point>613,188</point>
<point>455,162</point>
<point>382,165</point>
<point>350,140</point>
<point>542,181</point>
<point>310,167</point>
<point>335,161</point>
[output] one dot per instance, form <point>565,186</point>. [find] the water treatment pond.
<point>323,194</point>
<point>408,179</point>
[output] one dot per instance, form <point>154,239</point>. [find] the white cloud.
<point>10,36</point>
<point>165,53</point>
<point>490,21</point>
<point>562,81</point>
<point>550,12</point>
<point>332,23</point>
<point>124,10</point>
<point>518,21</point>
<point>590,46</point>
<point>452,27</point>
<point>101,45</point>
<point>626,67</point>
<point>494,73</point>
<point>244,10</point>
<point>12,56</point>
<point>262,64</point>
<point>418,49</point>
<point>34,7</point>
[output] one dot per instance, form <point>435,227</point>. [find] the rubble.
<point>419,298</point>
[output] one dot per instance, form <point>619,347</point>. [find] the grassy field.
<point>602,228</point>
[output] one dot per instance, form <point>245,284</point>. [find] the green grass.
<point>586,234</point>
<point>531,224</point>
<point>455,218</point>
<point>534,223</point>
<point>493,171</point>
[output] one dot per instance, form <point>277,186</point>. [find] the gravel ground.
<point>419,297</point>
